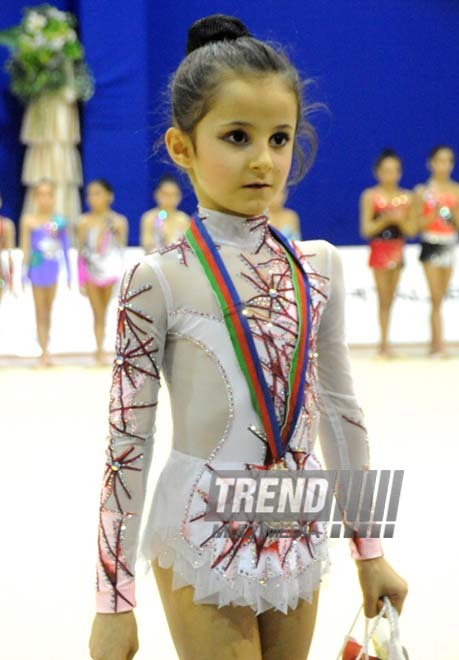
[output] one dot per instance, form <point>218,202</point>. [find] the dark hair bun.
<point>217,27</point>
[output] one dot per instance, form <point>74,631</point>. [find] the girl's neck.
<point>244,232</point>
<point>43,217</point>
<point>101,215</point>
<point>440,182</point>
<point>389,189</point>
<point>170,213</point>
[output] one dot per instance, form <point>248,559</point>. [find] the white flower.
<point>57,14</point>
<point>57,43</point>
<point>35,21</point>
<point>71,36</point>
<point>39,41</point>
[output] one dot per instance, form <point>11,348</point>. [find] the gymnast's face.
<point>442,164</point>
<point>43,196</point>
<point>168,196</point>
<point>389,172</point>
<point>99,199</point>
<point>241,152</point>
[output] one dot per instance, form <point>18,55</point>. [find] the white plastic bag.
<point>386,641</point>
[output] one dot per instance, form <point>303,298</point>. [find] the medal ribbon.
<point>241,336</point>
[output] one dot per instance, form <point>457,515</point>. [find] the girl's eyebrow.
<point>247,123</point>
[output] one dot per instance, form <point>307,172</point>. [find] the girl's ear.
<point>179,147</point>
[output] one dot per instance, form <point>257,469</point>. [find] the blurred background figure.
<point>164,223</point>
<point>7,243</point>
<point>43,238</point>
<point>437,213</point>
<point>285,220</point>
<point>102,237</point>
<point>385,219</point>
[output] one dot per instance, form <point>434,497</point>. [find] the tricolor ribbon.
<point>242,340</point>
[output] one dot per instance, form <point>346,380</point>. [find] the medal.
<point>241,337</point>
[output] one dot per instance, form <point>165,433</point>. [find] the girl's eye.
<point>239,136</point>
<point>280,139</point>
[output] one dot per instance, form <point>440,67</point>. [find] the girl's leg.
<point>107,295</point>
<point>386,284</point>
<point>43,299</point>
<point>206,632</point>
<point>286,636</point>
<point>438,279</point>
<point>98,298</point>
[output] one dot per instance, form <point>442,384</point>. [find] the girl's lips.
<point>257,185</point>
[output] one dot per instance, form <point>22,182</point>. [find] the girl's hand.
<point>378,579</point>
<point>114,636</point>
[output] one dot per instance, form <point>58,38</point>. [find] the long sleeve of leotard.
<point>342,432</point>
<point>140,341</point>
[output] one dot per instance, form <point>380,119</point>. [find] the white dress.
<point>170,327</point>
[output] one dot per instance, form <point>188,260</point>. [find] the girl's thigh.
<point>288,636</point>
<point>438,279</point>
<point>206,632</point>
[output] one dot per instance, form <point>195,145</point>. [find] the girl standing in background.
<point>163,224</point>
<point>437,214</point>
<point>43,237</point>
<point>386,219</point>
<point>101,238</point>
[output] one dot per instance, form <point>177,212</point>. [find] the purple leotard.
<point>47,242</point>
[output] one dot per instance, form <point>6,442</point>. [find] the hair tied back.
<point>217,27</point>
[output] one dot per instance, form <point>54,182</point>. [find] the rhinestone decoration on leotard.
<point>181,246</point>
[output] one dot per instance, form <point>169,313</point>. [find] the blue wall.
<point>386,70</point>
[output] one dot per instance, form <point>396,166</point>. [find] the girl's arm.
<point>140,342</point>
<point>419,220</point>
<point>83,276</point>
<point>145,231</point>
<point>342,432</point>
<point>65,241</point>
<point>81,227</point>
<point>24,243</point>
<point>409,224</point>
<point>10,242</point>
<point>455,210</point>
<point>122,227</point>
<point>370,226</point>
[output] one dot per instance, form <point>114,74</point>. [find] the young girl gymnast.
<point>437,212</point>
<point>43,238</point>
<point>102,236</point>
<point>386,219</point>
<point>248,331</point>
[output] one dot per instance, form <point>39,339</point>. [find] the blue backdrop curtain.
<point>386,70</point>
